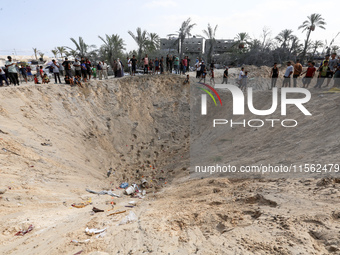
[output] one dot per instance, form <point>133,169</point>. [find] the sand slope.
<point>142,123</point>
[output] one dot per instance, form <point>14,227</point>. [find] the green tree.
<point>315,46</point>
<point>241,40</point>
<point>61,50</point>
<point>141,38</point>
<point>55,52</point>
<point>113,47</point>
<point>309,25</point>
<point>153,42</point>
<point>210,34</point>
<point>82,48</point>
<point>284,37</point>
<point>182,33</point>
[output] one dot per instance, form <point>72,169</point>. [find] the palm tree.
<point>81,47</point>
<point>55,53</point>
<point>141,39</point>
<point>209,34</point>
<point>316,45</point>
<point>284,37</point>
<point>72,53</point>
<point>35,50</point>
<point>242,39</point>
<point>309,25</point>
<point>183,32</point>
<point>153,42</point>
<point>61,50</point>
<point>296,46</point>
<point>113,47</point>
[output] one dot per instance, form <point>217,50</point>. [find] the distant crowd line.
<point>82,70</point>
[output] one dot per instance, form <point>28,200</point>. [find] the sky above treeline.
<point>47,24</point>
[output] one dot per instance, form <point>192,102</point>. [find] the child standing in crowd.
<point>41,72</point>
<point>212,76</point>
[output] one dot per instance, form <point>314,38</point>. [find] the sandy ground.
<point>56,141</point>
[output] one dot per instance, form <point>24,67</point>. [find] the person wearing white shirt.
<point>12,71</point>
<point>288,73</point>
<point>55,67</point>
<point>240,76</point>
<point>129,65</point>
<point>104,65</point>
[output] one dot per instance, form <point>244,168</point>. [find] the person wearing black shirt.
<point>67,65</point>
<point>225,76</point>
<point>274,75</point>
<point>161,65</point>
<point>170,64</point>
<point>133,64</point>
<point>167,63</point>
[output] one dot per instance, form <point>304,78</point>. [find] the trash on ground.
<point>131,206</point>
<point>131,217</point>
<point>132,203</point>
<point>124,185</point>
<point>117,213</point>
<point>81,205</point>
<point>2,191</point>
<point>94,231</point>
<point>130,190</point>
<point>24,232</point>
<point>80,242</point>
<point>101,235</point>
<point>145,183</point>
<point>103,192</point>
<point>97,210</point>
<point>5,150</point>
<point>46,144</point>
<point>77,253</point>
<point>109,172</point>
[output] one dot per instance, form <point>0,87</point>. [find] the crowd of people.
<point>328,69</point>
<point>82,70</point>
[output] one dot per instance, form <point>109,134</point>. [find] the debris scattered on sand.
<point>81,205</point>
<point>81,242</point>
<point>2,191</point>
<point>96,210</point>
<point>24,232</point>
<point>103,192</point>
<point>117,213</point>
<point>129,218</point>
<point>94,231</point>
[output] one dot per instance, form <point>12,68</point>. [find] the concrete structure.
<point>222,45</point>
<point>169,45</point>
<point>193,45</point>
<point>196,45</point>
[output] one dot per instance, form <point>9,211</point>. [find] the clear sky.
<point>47,24</point>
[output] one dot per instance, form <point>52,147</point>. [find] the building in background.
<point>195,45</point>
<point>221,46</point>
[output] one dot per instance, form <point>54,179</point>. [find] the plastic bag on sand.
<point>94,231</point>
<point>128,219</point>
